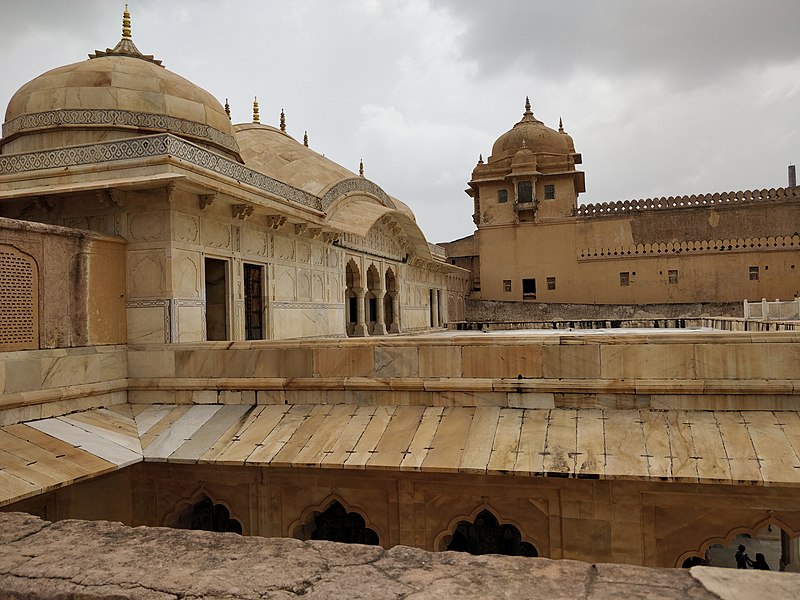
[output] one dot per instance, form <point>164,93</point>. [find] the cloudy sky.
<point>662,98</point>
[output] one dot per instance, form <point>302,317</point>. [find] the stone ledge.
<point>98,559</point>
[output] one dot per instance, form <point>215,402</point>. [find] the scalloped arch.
<point>188,501</point>
<point>728,538</point>
<point>310,512</point>
<point>442,538</point>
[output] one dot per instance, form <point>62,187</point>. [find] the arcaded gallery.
<point>211,325</point>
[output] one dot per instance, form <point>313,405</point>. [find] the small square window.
<point>551,283</point>
<point>753,273</point>
<point>549,192</point>
<point>673,275</point>
<point>506,285</point>
<point>529,288</point>
<point>502,196</point>
<point>624,279</point>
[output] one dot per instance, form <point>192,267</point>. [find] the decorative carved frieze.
<point>355,184</point>
<point>154,145</point>
<point>118,118</point>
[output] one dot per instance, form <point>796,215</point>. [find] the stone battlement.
<point>693,247</point>
<point>724,199</point>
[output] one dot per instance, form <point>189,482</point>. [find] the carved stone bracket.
<point>45,203</point>
<point>109,198</point>
<point>299,228</point>
<point>206,200</point>
<point>241,211</point>
<point>275,221</point>
<point>330,237</point>
<point>314,232</point>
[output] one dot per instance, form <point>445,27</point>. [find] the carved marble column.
<point>435,307</point>
<point>380,324</point>
<point>395,327</point>
<point>360,329</point>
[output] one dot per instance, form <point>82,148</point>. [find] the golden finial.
<point>126,23</point>
<point>560,125</point>
<point>361,168</point>
<point>480,159</point>
<point>283,121</point>
<point>527,104</point>
<point>227,109</point>
<point>256,118</point>
<point>305,139</point>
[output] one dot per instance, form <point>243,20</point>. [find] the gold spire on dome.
<point>560,125</point>
<point>256,118</point>
<point>283,121</point>
<point>480,159</point>
<point>227,109</point>
<point>125,47</point>
<point>305,139</point>
<point>126,23</point>
<point>361,168</point>
<point>527,105</point>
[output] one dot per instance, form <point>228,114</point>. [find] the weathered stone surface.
<point>85,559</point>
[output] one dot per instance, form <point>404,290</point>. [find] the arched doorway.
<point>391,303</point>
<point>374,298</point>
<point>485,535</point>
<point>354,301</point>
<point>336,524</point>
<point>204,515</point>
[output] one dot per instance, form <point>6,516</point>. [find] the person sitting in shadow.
<point>742,560</point>
<point>759,563</point>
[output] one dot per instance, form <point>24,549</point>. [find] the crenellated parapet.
<point>695,247</point>
<point>720,199</point>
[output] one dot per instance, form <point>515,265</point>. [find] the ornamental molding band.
<point>118,118</point>
<point>699,247</point>
<point>624,207</point>
<point>306,305</point>
<point>154,145</point>
<point>356,184</point>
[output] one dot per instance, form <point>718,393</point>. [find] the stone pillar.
<point>435,302</point>
<point>360,329</point>
<point>442,307</point>
<point>380,324</point>
<point>395,327</point>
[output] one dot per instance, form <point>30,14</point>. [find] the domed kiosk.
<point>530,175</point>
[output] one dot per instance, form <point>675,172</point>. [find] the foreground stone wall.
<point>70,559</point>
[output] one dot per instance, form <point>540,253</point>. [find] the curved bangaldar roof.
<point>275,153</point>
<point>117,93</point>
<point>351,202</point>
